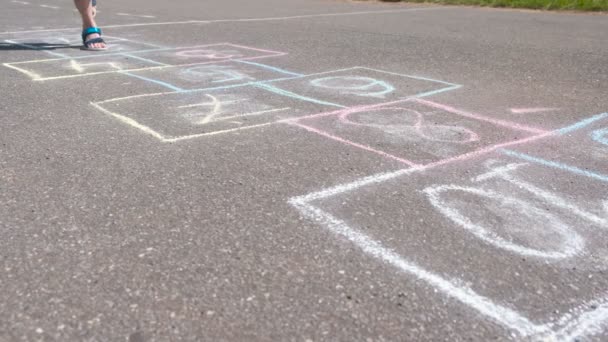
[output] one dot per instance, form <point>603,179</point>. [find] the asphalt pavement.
<point>303,170</point>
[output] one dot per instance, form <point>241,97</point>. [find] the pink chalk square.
<point>415,131</point>
<point>201,54</point>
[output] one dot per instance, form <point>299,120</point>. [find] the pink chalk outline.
<point>418,126</point>
<point>344,113</point>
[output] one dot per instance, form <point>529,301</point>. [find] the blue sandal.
<point>87,43</point>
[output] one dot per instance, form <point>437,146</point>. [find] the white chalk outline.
<point>580,321</point>
<point>270,53</point>
<point>167,139</point>
<point>572,243</point>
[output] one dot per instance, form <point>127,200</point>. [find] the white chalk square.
<point>527,254</point>
<point>64,68</point>
<point>177,116</point>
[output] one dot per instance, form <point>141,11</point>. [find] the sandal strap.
<point>90,30</point>
<point>87,43</point>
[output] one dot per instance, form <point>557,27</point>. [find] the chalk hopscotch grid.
<point>579,322</point>
<point>265,85</point>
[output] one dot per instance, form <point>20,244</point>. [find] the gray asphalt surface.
<point>283,201</point>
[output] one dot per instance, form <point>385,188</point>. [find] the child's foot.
<point>91,40</point>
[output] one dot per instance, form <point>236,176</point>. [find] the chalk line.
<point>453,288</point>
<point>571,242</point>
<point>532,110</point>
<point>582,124</point>
<point>555,165</point>
<point>351,143</point>
<point>133,123</point>
<point>158,67</point>
<point>152,80</point>
<point>187,22</point>
<point>481,117</point>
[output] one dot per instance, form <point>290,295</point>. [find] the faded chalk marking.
<point>453,288</point>
<point>136,15</point>
<point>582,124</point>
<point>206,71</point>
<point>208,53</point>
<point>31,74</point>
<point>232,130</point>
<point>294,95</point>
<point>283,71</point>
<point>126,54</point>
<point>354,144</point>
<point>533,110</point>
<point>355,85</point>
<point>164,84</point>
<point>51,7</point>
<point>329,82</point>
<point>164,139</point>
<point>571,243</point>
<point>216,108</point>
<point>601,136</point>
<point>549,197</point>
<point>418,127</point>
<point>130,122</point>
<point>480,117</point>
<point>81,67</point>
<point>587,323</point>
<point>555,165</point>
<point>228,118</point>
<point>20,2</point>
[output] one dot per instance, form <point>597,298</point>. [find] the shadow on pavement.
<point>36,46</point>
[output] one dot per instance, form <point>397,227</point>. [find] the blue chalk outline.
<point>264,66</point>
<point>451,86</point>
<point>556,165</point>
<point>597,135</point>
<point>152,80</point>
<point>286,93</point>
<point>582,124</point>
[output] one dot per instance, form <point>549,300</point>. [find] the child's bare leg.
<point>86,12</point>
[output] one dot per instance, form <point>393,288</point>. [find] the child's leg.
<point>85,8</point>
